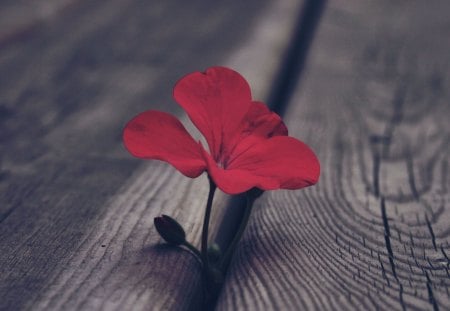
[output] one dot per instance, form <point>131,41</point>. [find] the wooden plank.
<point>21,18</point>
<point>76,210</point>
<point>374,233</point>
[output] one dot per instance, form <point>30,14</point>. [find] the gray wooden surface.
<point>374,233</point>
<point>76,210</point>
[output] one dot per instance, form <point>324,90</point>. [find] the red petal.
<point>259,124</point>
<point>216,102</point>
<point>263,122</point>
<point>161,136</point>
<point>236,181</point>
<point>279,162</point>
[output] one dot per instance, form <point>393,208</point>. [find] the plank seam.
<point>284,84</point>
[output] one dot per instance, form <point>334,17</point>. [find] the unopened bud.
<point>170,230</point>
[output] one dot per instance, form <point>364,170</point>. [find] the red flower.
<point>248,143</point>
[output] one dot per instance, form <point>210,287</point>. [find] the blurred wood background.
<point>370,94</point>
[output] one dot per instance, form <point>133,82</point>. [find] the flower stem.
<point>193,249</point>
<point>237,237</point>
<point>204,254</point>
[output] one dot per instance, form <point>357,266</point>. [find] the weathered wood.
<point>19,19</point>
<point>76,210</point>
<point>66,93</point>
<point>374,233</point>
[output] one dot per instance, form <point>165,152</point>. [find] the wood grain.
<point>76,210</point>
<point>66,93</point>
<point>374,233</point>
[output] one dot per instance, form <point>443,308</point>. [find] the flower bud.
<point>170,230</point>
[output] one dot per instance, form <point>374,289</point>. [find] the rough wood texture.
<point>76,210</point>
<point>66,92</point>
<point>375,232</point>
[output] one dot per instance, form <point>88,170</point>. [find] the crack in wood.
<point>387,238</point>
<point>430,228</point>
<point>431,298</point>
<point>400,297</point>
<point>445,254</point>
<point>383,270</point>
<point>376,174</point>
<point>411,177</point>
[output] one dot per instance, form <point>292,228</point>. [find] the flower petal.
<point>286,160</point>
<point>236,181</point>
<point>216,102</point>
<point>261,121</point>
<point>161,136</point>
<point>258,125</point>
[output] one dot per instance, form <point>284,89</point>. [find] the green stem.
<point>204,254</point>
<point>237,237</point>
